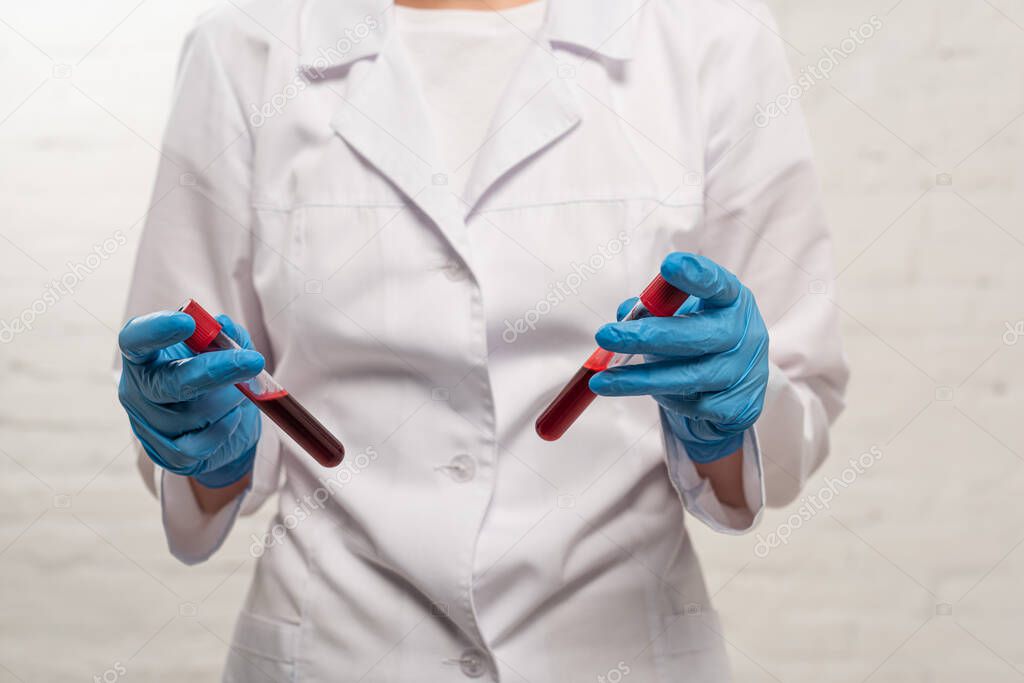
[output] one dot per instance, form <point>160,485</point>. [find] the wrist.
<point>212,501</point>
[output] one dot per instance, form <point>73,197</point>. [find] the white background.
<point>914,574</point>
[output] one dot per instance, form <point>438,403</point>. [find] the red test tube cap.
<point>207,327</point>
<point>661,298</point>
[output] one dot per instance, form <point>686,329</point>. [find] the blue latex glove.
<point>707,367</point>
<point>183,407</point>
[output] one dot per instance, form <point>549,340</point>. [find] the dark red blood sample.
<point>573,399</point>
<point>659,299</point>
<point>567,406</point>
<point>266,393</point>
<point>296,422</point>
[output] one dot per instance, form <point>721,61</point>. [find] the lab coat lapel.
<point>537,109</point>
<point>384,118</point>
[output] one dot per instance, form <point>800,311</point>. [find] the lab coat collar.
<point>605,27</point>
<point>384,118</point>
<point>537,109</point>
<point>336,33</point>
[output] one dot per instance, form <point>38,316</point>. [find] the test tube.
<point>269,396</point>
<point>659,299</point>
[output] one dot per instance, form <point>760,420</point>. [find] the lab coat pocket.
<point>691,648</point>
<point>262,649</point>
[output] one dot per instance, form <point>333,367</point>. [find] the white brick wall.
<point>912,575</point>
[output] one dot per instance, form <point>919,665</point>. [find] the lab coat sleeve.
<point>764,221</point>
<point>197,242</point>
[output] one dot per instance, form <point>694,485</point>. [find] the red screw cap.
<point>661,298</point>
<point>207,327</point>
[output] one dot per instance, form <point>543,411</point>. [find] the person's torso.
<point>429,328</point>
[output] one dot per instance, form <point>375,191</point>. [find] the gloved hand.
<point>183,407</point>
<point>707,367</point>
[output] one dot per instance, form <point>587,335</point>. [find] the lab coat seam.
<point>393,162</point>
<point>282,635</point>
<point>761,503</point>
<point>302,637</point>
<point>479,321</point>
<point>508,161</point>
<point>593,200</point>
<point>236,98</point>
<point>274,208</point>
<point>287,208</point>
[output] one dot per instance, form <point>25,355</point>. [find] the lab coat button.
<point>462,468</point>
<point>472,664</point>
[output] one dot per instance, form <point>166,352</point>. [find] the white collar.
<point>335,33</point>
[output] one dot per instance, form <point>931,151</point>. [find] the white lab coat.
<point>428,327</point>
